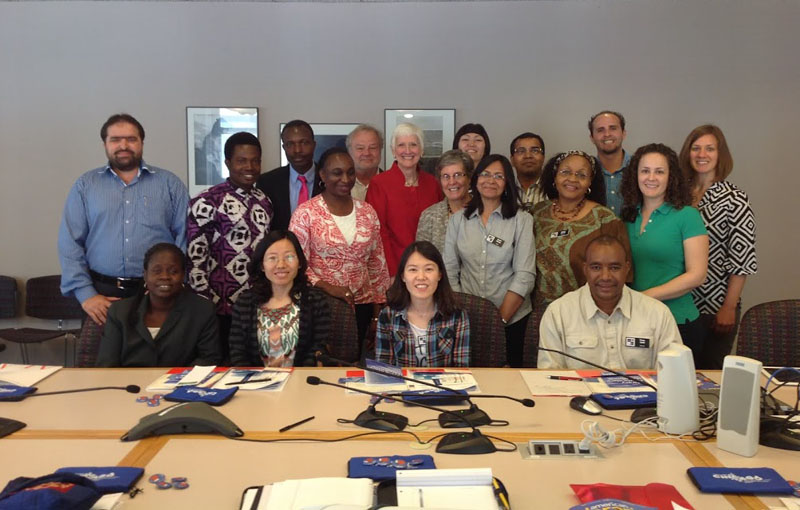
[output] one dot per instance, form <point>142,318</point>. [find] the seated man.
<point>604,321</point>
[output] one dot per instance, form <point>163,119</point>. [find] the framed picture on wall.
<point>207,130</point>
<point>326,135</point>
<point>438,129</point>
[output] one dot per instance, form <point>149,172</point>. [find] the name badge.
<point>559,233</point>
<point>639,343</point>
<point>494,240</point>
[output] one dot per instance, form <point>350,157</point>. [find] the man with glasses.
<point>527,158</point>
<point>291,185</point>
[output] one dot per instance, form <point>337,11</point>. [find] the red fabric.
<point>399,208</point>
<point>659,495</point>
<point>303,196</point>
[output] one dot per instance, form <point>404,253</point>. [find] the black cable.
<point>315,440</point>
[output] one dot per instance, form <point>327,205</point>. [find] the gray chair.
<point>43,300</point>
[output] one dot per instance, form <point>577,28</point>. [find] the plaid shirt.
<point>448,340</point>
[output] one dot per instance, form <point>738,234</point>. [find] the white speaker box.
<point>677,407</point>
<point>738,422</point>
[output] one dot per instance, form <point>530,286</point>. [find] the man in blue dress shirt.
<point>113,215</point>
<point>607,132</point>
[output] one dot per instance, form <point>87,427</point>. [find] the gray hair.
<point>405,129</point>
<point>360,129</point>
<point>455,157</point>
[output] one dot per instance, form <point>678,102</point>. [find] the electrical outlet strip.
<point>554,449</point>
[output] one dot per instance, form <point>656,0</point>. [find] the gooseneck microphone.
<point>453,442</point>
<point>639,381</point>
<point>131,388</point>
<point>472,415</point>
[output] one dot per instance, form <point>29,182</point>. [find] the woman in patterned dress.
<point>281,321</point>
<point>565,224</point>
<point>706,162</point>
<point>341,236</point>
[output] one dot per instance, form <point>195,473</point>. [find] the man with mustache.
<point>607,131</point>
<point>113,215</point>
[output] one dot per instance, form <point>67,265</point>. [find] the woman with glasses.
<point>281,321</point>
<point>422,325</point>
<point>565,224</point>
<point>341,236</point>
<point>454,170</point>
<point>489,252</point>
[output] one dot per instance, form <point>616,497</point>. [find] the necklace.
<point>409,184</point>
<point>563,215</point>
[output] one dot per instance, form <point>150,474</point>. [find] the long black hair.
<point>261,287</point>
<point>398,297</point>
<point>133,313</point>
<point>510,197</point>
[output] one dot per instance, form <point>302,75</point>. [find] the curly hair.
<point>678,194</point>
<point>597,188</point>
<point>724,158</point>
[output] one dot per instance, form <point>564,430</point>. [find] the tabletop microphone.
<point>473,415</point>
<point>469,443</point>
<point>131,388</point>
<point>639,381</point>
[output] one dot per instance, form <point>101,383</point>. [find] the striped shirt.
<point>108,225</point>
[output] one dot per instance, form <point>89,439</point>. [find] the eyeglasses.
<point>496,177</point>
<point>455,176</point>
<point>519,151</point>
<point>271,260</point>
<point>565,173</point>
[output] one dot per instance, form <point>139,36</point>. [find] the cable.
<point>315,440</point>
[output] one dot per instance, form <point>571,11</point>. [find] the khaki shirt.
<point>630,338</point>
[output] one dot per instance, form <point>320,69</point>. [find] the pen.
<point>564,378</point>
<point>293,425</point>
<point>500,493</point>
<point>248,382</point>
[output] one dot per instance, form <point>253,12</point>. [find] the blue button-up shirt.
<point>295,184</point>
<point>614,184</point>
<point>108,225</point>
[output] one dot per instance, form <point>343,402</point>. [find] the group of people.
<point>628,253</point>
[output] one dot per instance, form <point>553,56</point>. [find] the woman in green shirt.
<point>668,239</point>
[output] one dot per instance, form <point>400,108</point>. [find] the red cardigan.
<point>399,207</point>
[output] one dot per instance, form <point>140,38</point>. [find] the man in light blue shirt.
<point>607,131</point>
<point>113,215</point>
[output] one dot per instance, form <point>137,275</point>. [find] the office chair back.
<point>487,335</point>
<point>343,336</point>
<point>770,333</point>
<point>8,297</point>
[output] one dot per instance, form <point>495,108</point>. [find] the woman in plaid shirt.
<point>421,325</point>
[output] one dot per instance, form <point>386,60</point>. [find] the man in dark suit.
<point>291,185</point>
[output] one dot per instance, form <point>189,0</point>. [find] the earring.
<point>589,190</point>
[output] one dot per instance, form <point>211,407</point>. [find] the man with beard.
<point>225,224</point>
<point>527,158</point>
<point>607,131</point>
<point>113,215</point>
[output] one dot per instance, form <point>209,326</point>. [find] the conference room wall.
<point>514,66</point>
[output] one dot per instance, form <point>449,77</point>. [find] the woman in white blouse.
<point>341,237</point>
<point>489,251</point>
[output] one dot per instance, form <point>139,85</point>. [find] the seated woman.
<point>421,325</point>
<point>342,239</point>
<point>565,224</point>
<point>474,140</point>
<point>489,250</point>
<point>668,239</point>
<point>281,321</point>
<point>163,325</point>
<point>454,170</point>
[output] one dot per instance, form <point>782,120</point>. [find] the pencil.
<point>293,425</point>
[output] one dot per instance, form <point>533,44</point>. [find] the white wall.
<point>544,66</point>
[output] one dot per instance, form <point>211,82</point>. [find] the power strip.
<point>553,449</point>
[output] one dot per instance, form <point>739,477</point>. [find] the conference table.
<point>83,429</point>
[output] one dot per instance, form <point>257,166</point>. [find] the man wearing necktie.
<point>291,185</point>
